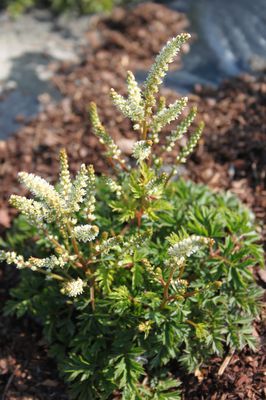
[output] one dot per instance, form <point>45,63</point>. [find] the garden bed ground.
<point>231,156</point>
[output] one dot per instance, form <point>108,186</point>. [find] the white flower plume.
<point>74,287</point>
<point>86,233</point>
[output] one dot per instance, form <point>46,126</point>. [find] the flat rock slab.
<point>28,47</point>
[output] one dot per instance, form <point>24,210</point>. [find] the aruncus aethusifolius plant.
<point>141,270</point>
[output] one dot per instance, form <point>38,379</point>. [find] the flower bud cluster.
<point>35,263</point>
<point>65,184</point>
<point>145,327</point>
<point>142,150</point>
<point>48,263</point>
<point>78,192</point>
<point>40,188</point>
<point>35,212</point>
<point>11,257</point>
<point>85,233</point>
<point>73,287</point>
<point>186,247</point>
<point>180,285</point>
<point>114,187</point>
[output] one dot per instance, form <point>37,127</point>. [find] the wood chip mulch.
<point>231,155</point>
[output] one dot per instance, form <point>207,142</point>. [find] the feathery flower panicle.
<point>160,67</point>
<point>181,129</point>
<point>86,233</point>
<point>74,287</point>
<point>11,257</point>
<point>132,107</point>
<point>40,188</point>
<point>134,92</point>
<point>135,101</point>
<point>192,142</point>
<point>65,184</point>
<point>48,263</point>
<point>78,191</point>
<point>34,263</point>
<point>186,247</point>
<point>120,102</point>
<point>167,114</point>
<point>35,212</point>
<point>98,129</point>
<point>141,150</point>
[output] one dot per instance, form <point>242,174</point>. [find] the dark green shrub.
<point>136,271</point>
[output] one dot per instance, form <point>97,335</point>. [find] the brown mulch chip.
<point>244,377</point>
<point>231,155</point>
<point>233,150</point>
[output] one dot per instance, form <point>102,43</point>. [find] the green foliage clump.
<point>134,271</point>
<point>16,7</point>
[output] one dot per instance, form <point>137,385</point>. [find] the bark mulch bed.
<point>231,155</point>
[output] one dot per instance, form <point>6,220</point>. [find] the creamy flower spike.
<point>142,150</point>
<point>36,212</point>
<point>86,233</point>
<point>51,203</point>
<point>74,287</point>
<point>78,192</point>
<point>139,106</point>
<point>43,190</point>
<point>65,185</point>
<point>34,263</point>
<point>135,101</point>
<point>114,187</point>
<point>167,115</point>
<point>11,257</point>
<point>132,107</point>
<point>188,246</point>
<point>49,262</point>
<point>161,65</point>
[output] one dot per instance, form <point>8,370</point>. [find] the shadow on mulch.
<point>231,156</point>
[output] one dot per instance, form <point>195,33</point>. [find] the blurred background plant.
<point>16,7</point>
